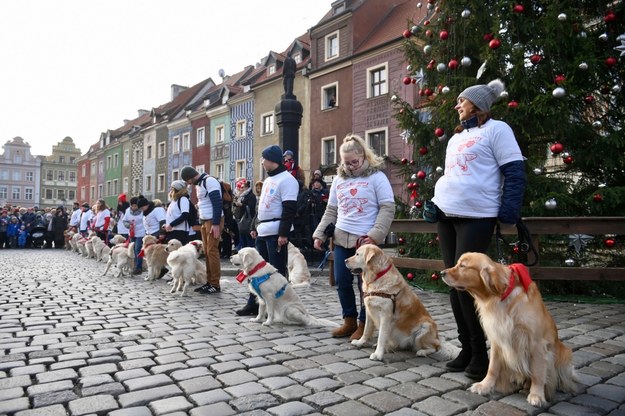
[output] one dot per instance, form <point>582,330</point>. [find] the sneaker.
<point>248,310</point>
<point>137,271</point>
<point>208,289</point>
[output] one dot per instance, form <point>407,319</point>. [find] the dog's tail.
<point>305,285</point>
<point>447,350</point>
<point>131,250</point>
<point>313,321</point>
<point>108,265</point>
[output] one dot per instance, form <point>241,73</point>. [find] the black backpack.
<point>193,218</point>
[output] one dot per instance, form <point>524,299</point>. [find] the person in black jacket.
<point>59,225</point>
<point>245,212</point>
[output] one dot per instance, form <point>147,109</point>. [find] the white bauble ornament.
<point>445,90</point>
<point>465,61</point>
<point>465,13</point>
<point>439,169</point>
<point>441,67</point>
<point>603,37</point>
<point>419,5</point>
<point>504,94</point>
<point>430,6</point>
<point>559,92</point>
<point>582,35</point>
<point>569,262</point>
<point>597,124</point>
<point>413,177</point>
<point>562,17</point>
<point>409,68</point>
<point>394,98</point>
<point>414,29</point>
<point>427,49</point>
<point>565,155</point>
<point>616,89</point>
<point>583,66</point>
<point>442,138</point>
<point>538,171</point>
<point>551,204</point>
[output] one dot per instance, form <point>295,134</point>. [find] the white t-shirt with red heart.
<point>358,201</point>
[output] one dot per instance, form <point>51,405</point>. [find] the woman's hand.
<point>318,244</point>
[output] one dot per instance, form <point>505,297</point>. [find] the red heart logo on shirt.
<point>353,191</point>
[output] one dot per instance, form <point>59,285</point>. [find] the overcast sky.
<point>79,67</point>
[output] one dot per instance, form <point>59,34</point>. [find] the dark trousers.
<point>456,237</point>
<point>180,235</point>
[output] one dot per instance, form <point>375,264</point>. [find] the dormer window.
<point>338,8</point>
<point>332,46</point>
<point>271,69</point>
<point>297,58</point>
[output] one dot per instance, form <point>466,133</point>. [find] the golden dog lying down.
<point>524,345</point>
<point>393,307</point>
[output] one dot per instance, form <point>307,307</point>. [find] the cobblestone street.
<point>74,342</point>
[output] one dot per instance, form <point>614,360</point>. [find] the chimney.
<point>176,90</point>
<point>143,112</point>
<point>126,121</point>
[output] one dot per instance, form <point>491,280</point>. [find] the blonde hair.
<point>157,202</point>
<point>100,205</point>
<point>176,195</point>
<point>352,143</point>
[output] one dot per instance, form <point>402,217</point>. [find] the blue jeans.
<point>138,247</point>
<point>345,284</point>
<point>267,246</point>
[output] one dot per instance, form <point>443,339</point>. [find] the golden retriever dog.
<point>72,242</point>
<point>117,239</point>
<point>392,307</point>
<point>124,259</point>
<point>182,263</point>
<point>68,234</point>
<point>524,346</point>
<point>299,275</point>
<point>81,245</point>
<point>155,255</point>
<point>276,298</point>
<point>100,249</point>
<point>89,245</point>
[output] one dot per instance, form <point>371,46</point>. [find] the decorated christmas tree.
<point>563,67</point>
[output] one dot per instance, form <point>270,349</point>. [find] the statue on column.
<point>288,75</point>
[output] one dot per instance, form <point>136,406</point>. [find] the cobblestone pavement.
<point>73,342</point>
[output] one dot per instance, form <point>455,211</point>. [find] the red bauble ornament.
<point>421,175</point>
<point>412,162</point>
<point>428,92</point>
<point>518,8</point>
<point>589,99</point>
<point>414,80</point>
<point>516,249</point>
<point>444,35</point>
<point>453,64</point>
<point>401,240</point>
<point>535,59</point>
<point>434,276</point>
<point>429,33</point>
<point>427,22</point>
<point>401,111</point>
<point>423,150</point>
<point>402,251</point>
<point>439,132</point>
<point>421,92</point>
<point>494,44</point>
<point>556,148</point>
<point>418,204</point>
<point>407,80</point>
<point>568,160</point>
<point>410,276</point>
<point>407,33</point>
<point>597,197</point>
<point>431,64</point>
<point>404,161</point>
<point>610,61</point>
<point>410,186</point>
<point>488,37</point>
<point>609,242</point>
<point>609,17</point>
<point>513,104</point>
<point>559,79</point>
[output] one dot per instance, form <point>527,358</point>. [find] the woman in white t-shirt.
<point>361,206</point>
<point>177,218</point>
<point>133,220</point>
<point>153,217</point>
<point>102,220</point>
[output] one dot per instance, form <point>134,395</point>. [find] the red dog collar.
<point>383,272</point>
<point>517,269</point>
<point>242,276</point>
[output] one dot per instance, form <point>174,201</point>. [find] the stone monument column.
<point>289,111</point>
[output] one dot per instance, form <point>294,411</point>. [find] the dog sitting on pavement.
<point>297,266</point>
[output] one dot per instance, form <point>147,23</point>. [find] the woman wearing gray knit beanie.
<point>483,182</point>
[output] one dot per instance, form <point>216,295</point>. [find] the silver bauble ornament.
<point>465,13</point>
<point>559,92</point>
<point>504,94</point>
<point>465,61</point>
<point>430,6</point>
<point>565,155</point>
<point>616,89</point>
<point>569,262</point>
<point>562,17</point>
<point>413,177</point>
<point>597,124</point>
<point>419,5</point>
<point>442,138</point>
<point>538,171</point>
<point>603,37</point>
<point>409,68</point>
<point>414,29</point>
<point>445,90</point>
<point>427,49</point>
<point>551,203</point>
<point>582,35</point>
<point>394,98</point>
<point>441,67</point>
<point>439,169</point>
<point>583,66</point>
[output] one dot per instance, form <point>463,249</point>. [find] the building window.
<point>109,190</point>
<point>136,186</point>
<point>148,183</point>
<point>220,134</point>
<point>115,187</point>
<point>3,192</point>
<point>148,152</point>
<point>30,176</point>
<point>175,175</point>
<point>267,121</point>
<point>101,167</point>
<point>100,191</point>
<point>28,194</point>
<point>161,183</point>
<point>126,157</point>
<point>92,193</point>
<point>72,176</point>
<point>17,191</point>
<point>4,175</point>
<point>50,175</point>
<point>125,187</point>
<point>271,69</point>
<point>186,142</point>
<point>61,175</point>
<point>377,141</point>
<point>109,162</point>
<point>332,45</point>
<point>329,96</point>
<point>240,168</point>
<point>297,58</point>
<point>92,168</point>
<point>328,151</point>
<point>200,169</point>
<point>17,175</point>
<point>175,146</point>
<point>240,129</point>
<point>200,137</point>
<point>115,160</point>
<point>219,171</point>
<point>71,195</point>
<point>72,159</point>
<point>60,194</point>
<point>83,193</point>
<point>61,159</point>
<point>377,81</point>
<point>48,193</point>
<point>161,150</point>
<point>83,171</point>
<point>137,155</point>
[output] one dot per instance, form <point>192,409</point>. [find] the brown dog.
<point>392,306</point>
<point>155,257</point>
<point>524,344</point>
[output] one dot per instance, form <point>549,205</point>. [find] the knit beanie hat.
<point>122,198</point>
<point>178,185</point>
<point>483,96</point>
<point>273,153</point>
<point>142,202</point>
<point>187,173</point>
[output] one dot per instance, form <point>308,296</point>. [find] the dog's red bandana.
<point>517,269</point>
<point>242,275</point>
<point>142,252</point>
<point>383,272</point>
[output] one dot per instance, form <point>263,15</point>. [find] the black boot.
<point>471,336</point>
<point>464,358</point>
<point>478,367</point>
<point>248,310</point>
<point>461,362</point>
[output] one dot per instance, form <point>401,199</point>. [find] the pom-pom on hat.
<point>178,185</point>
<point>187,173</point>
<point>273,153</point>
<point>483,96</point>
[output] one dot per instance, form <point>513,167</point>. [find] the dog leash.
<point>524,244</point>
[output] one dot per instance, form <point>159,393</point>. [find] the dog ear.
<point>494,277</point>
<point>370,254</point>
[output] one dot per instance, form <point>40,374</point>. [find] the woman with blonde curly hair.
<point>177,218</point>
<point>361,206</point>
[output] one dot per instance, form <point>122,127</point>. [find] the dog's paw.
<point>481,388</point>
<point>256,319</point>
<point>376,356</point>
<point>536,400</point>
<point>358,343</point>
<point>267,323</point>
